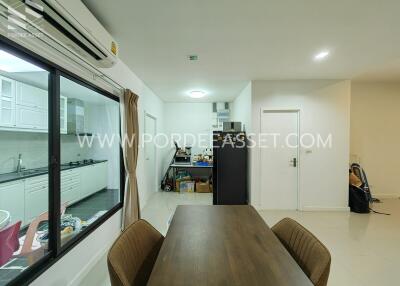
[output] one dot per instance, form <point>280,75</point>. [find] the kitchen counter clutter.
<point>25,196</point>
<point>9,177</point>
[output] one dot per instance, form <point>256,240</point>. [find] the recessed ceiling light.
<point>11,63</point>
<point>193,57</point>
<point>321,55</point>
<point>197,94</point>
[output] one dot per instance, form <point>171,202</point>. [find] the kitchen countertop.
<point>9,177</point>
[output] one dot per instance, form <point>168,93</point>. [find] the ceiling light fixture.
<point>193,57</point>
<point>321,55</point>
<point>197,94</point>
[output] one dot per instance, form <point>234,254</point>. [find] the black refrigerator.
<point>230,168</point>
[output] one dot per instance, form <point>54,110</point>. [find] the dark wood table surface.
<point>223,245</point>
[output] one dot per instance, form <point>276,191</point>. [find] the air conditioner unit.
<point>71,24</point>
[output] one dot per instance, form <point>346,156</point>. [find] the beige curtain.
<point>131,129</point>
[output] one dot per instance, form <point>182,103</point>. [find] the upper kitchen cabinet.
<point>24,107</point>
<point>31,118</point>
<point>31,96</point>
<point>7,102</point>
<point>31,107</point>
<point>63,114</point>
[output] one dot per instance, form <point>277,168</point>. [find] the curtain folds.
<point>130,131</point>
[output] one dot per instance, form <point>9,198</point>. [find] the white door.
<point>279,160</point>
<point>150,152</point>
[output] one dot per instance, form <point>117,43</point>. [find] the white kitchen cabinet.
<point>31,107</point>
<point>26,199</point>
<point>94,178</point>
<point>12,199</point>
<point>36,197</point>
<point>25,108</point>
<point>70,186</point>
<point>7,102</point>
<point>100,181</point>
<point>63,115</point>
<point>31,118</point>
<point>31,96</point>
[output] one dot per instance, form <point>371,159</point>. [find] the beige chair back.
<point>133,254</point>
<point>311,255</point>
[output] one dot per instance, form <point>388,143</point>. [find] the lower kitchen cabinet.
<point>28,198</point>
<point>70,186</point>
<point>12,199</point>
<point>94,178</point>
<point>36,197</point>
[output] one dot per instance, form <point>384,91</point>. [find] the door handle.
<point>294,162</point>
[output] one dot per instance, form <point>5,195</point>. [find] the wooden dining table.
<point>223,245</point>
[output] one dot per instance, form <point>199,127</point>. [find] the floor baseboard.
<point>386,196</point>
<point>325,209</point>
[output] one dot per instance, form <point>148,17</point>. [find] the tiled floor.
<point>365,248</point>
<point>103,200</point>
<point>161,206</point>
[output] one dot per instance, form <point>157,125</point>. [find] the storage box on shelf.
<point>203,187</point>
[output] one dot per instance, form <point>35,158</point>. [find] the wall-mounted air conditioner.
<point>71,24</point>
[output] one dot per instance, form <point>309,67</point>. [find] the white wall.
<point>34,150</point>
<point>324,108</point>
<point>375,119</point>
<point>241,108</point>
<point>188,118</point>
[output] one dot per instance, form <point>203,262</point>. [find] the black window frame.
<point>56,251</point>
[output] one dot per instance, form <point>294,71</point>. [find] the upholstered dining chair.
<point>133,254</point>
<point>9,242</point>
<point>310,254</point>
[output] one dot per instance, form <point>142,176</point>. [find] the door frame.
<point>283,110</point>
<point>147,114</point>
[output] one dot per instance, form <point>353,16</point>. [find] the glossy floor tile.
<point>161,206</point>
<point>365,248</point>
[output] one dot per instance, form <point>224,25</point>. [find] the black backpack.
<point>358,200</point>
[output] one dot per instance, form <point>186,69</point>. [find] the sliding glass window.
<point>24,174</point>
<point>60,162</point>
<point>90,156</point>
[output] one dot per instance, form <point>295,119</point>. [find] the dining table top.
<point>223,245</point>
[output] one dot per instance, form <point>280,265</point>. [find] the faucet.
<point>19,166</point>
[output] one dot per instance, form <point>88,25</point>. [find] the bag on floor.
<point>358,200</point>
<point>360,174</point>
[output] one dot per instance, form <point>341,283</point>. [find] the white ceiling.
<point>242,40</point>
